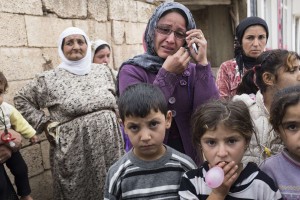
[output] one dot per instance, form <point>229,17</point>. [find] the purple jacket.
<point>184,93</point>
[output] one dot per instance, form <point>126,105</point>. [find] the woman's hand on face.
<point>5,153</point>
<point>196,36</point>
<point>231,173</point>
<point>177,62</point>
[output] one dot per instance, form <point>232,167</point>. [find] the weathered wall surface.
<point>29,32</point>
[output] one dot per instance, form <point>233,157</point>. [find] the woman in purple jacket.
<point>172,42</point>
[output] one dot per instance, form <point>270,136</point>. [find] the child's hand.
<point>231,173</point>
<point>34,139</point>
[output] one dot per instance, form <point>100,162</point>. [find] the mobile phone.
<point>195,48</point>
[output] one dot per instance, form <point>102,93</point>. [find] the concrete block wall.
<point>29,31</point>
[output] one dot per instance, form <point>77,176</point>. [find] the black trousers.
<point>7,191</point>
<point>19,169</point>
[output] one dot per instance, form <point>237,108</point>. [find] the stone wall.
<point>29,32</point>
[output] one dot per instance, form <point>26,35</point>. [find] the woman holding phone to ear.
<point>168,38</point>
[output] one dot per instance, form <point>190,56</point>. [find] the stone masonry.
<point>29,31</point>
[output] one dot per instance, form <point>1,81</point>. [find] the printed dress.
<point>228,79</point>
<point>88,139</point>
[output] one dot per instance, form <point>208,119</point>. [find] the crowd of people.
<point>154,128</point>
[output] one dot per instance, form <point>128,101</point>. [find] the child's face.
<point>147,134</point>
<point>290,77</point>
<point>290,131</point>
<point>1,93</point>
<point>223,144</point>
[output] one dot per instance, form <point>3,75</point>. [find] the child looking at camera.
<point>11,118</point>
<point>223,130</point>
<point>150,170</point>
<point>284,167</point>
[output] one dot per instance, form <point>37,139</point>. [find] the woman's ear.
<point>268,78</point>
<point>168,119</point>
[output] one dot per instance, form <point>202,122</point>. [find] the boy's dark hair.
<point>233,114</point>
<point>270,61</point>
<point>138,100</point>
<point>3,81</point>
<point>282,100</point>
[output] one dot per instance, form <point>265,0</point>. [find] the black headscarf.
<point>241,59</point>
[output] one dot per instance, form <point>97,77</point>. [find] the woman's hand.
<point>177,62</point>
<point>49,136</point>
<point>5,153</point>
<point>17,141</point>
<point>231,173</point>
<point>196,36</point>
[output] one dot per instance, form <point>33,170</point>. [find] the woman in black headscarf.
<point>251,39</point>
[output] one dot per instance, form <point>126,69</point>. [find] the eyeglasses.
<point>165,30</point>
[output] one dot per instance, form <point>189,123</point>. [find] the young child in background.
<point>223,131</point>
<point>150,170</point>
<point>284,167</point>
<point>11,118</point>
<point>278,69</point>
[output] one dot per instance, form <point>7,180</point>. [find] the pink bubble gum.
<point>214,177</point>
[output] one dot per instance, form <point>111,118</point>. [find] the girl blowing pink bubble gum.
<point>214,177</point>
<point>223,130</point>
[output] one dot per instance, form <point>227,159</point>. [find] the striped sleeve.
<point>112,189</point>
<point>187,190</point>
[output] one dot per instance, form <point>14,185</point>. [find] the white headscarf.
<point>79,67</point>
<point>95,45</point>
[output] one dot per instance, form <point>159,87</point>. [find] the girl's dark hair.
<point>102,47</point>
<point>233,114</point>
<point>270,61</point>
<point>3,81</point>
<point>139,99</point>
<point>250,87</point>
<point>282,100</point>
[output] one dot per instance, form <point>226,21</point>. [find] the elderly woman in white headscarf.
<point>82,126</point>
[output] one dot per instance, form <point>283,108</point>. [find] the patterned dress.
<point>228,78</point>
<point>88,135</point>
